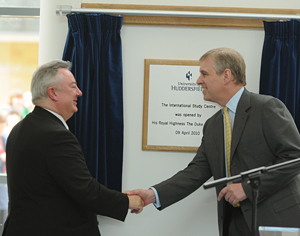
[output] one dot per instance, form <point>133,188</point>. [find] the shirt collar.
<point>59,117</point>
<point>233,102</point>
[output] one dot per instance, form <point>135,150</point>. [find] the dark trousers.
<point>234,222</point>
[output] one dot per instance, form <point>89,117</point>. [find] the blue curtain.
<point>93,46</point>
<point>280,64</point>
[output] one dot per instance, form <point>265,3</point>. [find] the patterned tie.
<point>227,122</point>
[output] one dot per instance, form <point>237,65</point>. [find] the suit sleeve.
<point>283,140</point>
<point>185,181</point>
<point>67,166</point>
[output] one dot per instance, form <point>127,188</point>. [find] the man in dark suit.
<point>263,134</point>
<point>51,191</point>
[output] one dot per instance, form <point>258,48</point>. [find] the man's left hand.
<point>233,193</point>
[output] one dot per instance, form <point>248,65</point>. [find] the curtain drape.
<point>93,46</point>
<point>280,64</point>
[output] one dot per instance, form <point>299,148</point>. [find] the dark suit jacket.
<point>51,191</point>
<point>264,134</point>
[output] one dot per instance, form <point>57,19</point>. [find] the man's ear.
<point>227,76</point>
<point>51,91</point>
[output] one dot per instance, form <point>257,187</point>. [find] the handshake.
<point>140,198</point>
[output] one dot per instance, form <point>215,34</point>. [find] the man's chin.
<point>205,98</point>
<point>75,109</point>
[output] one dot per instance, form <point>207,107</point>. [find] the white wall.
<point>195,215</point>
<point>53,29</point>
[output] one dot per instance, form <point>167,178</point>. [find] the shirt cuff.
<point>157,203</point>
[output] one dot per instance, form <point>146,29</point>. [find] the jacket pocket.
<point>286,202</point>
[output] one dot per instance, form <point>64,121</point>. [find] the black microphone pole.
<point>253,176</point>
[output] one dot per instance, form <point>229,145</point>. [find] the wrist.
<point>152,195</point>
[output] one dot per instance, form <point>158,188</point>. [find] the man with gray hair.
<point>51,191</point>
<point>251,131</point>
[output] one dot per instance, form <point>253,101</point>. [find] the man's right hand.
<point>136,204</point>
<point>147,195</point>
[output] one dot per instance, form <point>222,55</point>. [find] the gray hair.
<point>227,58</point>
<point>46,76</point>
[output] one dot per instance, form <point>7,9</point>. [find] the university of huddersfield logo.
<point>189,75</point>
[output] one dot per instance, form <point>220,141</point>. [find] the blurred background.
<point>19,45</point>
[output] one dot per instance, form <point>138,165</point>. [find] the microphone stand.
<point>253,176</point>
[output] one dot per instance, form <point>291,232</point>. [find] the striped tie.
<point>227,122</point>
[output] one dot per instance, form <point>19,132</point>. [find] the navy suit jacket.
<point>264,134</point>
<point>51,191</point>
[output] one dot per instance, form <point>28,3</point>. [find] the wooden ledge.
<point>192,21</point>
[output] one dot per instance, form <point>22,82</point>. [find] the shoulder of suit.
<point>262,98</point>
<point>46,118</point>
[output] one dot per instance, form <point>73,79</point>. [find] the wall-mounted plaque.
<point>174,109</point>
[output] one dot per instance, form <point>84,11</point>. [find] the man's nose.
<point>199,80</point>
<point>79,93</point>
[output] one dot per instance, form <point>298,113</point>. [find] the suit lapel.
<point>219,139</point>
<point>240,120</point>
